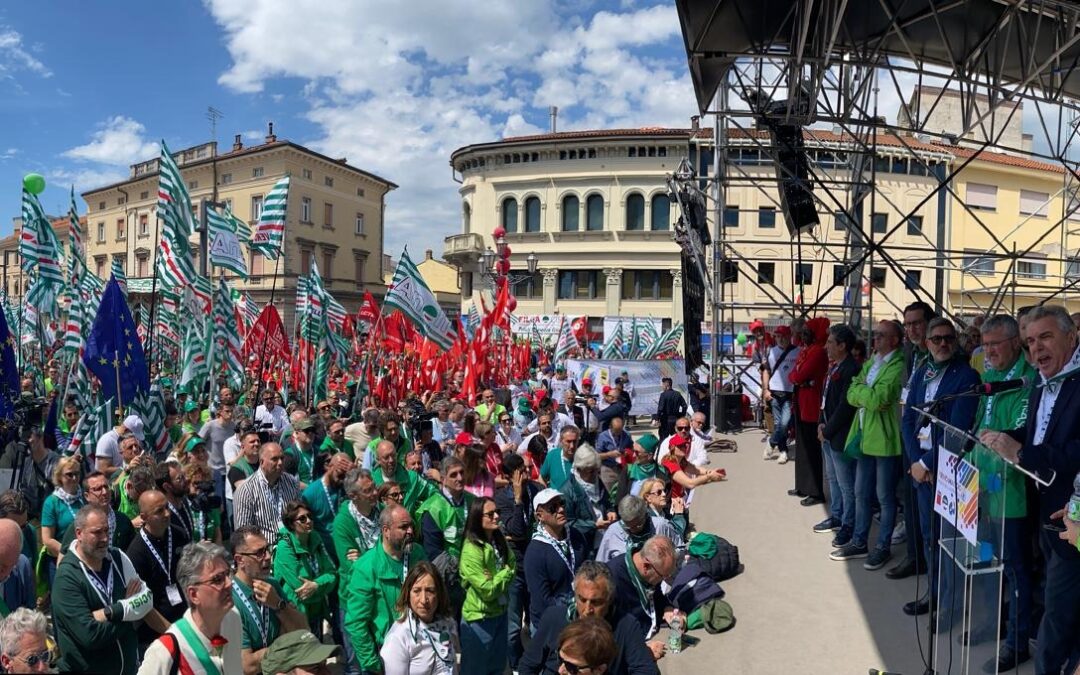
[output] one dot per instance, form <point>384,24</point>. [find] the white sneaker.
<point>783,458</point>
<point>769,454</point>
<point>899,534</point>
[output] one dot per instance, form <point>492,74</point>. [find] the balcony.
<point>463,250</point>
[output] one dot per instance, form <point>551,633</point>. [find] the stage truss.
<point>841,70</point>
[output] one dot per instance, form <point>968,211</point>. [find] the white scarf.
<point>66,497</point>
<point>592,491</point>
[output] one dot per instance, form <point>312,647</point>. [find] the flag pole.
<point>119,395</point>
<point>153,301</point>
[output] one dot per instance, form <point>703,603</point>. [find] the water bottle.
<point>1073,512</point>
<point>676,627</point>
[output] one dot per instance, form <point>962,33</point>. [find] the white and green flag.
<point>270,231</point>
<point>410,294</point>
<point>174,261</point>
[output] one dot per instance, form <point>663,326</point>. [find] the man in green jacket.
<point>874,439</point>
<point>355,531</point>
<point>324,495</point>
<point>415,489</point>
<point>1004,488</point>
<point>375,585</point>
<point>97,598</point>
<point>442,515</point>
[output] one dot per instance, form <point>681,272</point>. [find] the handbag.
<point>853,448</point>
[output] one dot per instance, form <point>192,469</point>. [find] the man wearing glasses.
<point>264,612</point>
<point>269,416</point>
<point>637,578</point>
<point>553,556</point>
<point>945,374</point>
<point>22,642</point>
<point>209,636</point>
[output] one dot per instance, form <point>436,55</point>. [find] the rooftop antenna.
<point>213,114</point>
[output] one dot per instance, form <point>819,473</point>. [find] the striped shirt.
<point>257,504</point>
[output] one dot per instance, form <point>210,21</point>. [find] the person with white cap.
<point>107,453</point>
<point>553,557</point>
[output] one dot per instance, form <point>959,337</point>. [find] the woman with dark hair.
<point>478,480</point>
<point>534,455</point>
<point>493,454</point>
<point>390,493</point>
<point>586,647</point>
<point>424,639</point>
<point>487,569</point>
<point>303,566</point>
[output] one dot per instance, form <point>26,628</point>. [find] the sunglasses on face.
<point>394,495</point>
<point>682,428</point>
<point>658,492</point>
<point>938,339</point>
<point>34,659</point>
<point>572,668</point>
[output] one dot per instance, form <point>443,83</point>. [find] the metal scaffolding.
<point>837,70</point>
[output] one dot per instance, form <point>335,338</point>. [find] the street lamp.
<point>495,263</point>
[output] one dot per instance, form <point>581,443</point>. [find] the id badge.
<point>174,595</point>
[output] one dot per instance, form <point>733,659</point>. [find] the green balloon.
<point>740,339</point>
<point>34,183</point>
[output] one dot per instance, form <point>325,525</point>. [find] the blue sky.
<point>88,88</point>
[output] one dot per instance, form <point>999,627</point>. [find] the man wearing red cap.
<point>776,375</point>
<point>758,351</point>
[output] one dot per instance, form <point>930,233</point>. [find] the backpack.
<point>718,557</point>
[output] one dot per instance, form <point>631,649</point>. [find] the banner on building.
<point>547,325</point>
<point>645,377</point>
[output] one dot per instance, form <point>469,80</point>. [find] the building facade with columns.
<point>593,207</point>
<point>334,219</point>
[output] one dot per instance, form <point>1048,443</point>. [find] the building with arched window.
<point>598,216</point>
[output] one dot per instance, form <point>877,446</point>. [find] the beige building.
<point>593,207</point>
<point>441,278</point>
<point>335,218</point>
<point>15,283</point>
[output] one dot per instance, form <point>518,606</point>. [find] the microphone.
<point>989,388</point>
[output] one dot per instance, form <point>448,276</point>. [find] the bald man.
<point>10,547</point>
<point>158,544</point>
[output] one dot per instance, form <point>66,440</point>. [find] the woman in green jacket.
<point>487,568</point>
<point>303,566</point>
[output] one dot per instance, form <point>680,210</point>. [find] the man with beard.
<point>172,483</point>
<point>97,490</point>
<point>553,556</point>
<point>375,585</point>
<point>96,599</point>
<point>264,612</point>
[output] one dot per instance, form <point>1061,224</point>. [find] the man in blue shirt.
<point>611,444</point>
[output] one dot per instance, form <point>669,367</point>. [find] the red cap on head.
<point>757,324</point>
<point>783,330</point>
<point>464,438</point>
<point>586,382</point>
<point>605,390</point>
<point>678,440</point>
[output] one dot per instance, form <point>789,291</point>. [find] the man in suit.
<point>944,374</point>
<point>833,426</point>
<point>670,407</point>
<point>1048,445</point>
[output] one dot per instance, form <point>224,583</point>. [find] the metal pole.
<point>203,244</point>
<point>719,168</point>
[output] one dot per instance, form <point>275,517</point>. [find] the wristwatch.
<point>282,604</point>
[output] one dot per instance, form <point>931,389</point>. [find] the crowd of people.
<point>863,441</point>
<point>529,532</point>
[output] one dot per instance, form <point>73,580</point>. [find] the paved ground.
<point>797,611</point>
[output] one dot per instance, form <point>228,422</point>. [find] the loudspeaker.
<point>793,169</point>
<point>731,412</point>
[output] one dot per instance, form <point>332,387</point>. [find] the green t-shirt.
<point>58,515</point>
<point>260,623</point>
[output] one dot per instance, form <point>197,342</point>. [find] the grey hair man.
<point>22,642</point>
<point>634,527</point>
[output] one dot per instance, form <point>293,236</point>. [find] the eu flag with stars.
<point>113,351</point>
<point>9,371</point>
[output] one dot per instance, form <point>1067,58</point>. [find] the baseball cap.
<point>605,390</point>
<point>678,440</point>
<point>648,443</point>
<point>294,649</point>
<point>545,496</point>
<point>783,330</point>
<point>560,368</point>
<point>465,438</point>
<point>193,442</point>
<point>303,424</point>
<point>190,405</point>
<point>757,324</point>
<point>587,382</point>
<point>133,423</point>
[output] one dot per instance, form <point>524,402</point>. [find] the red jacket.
<point>811,367</point>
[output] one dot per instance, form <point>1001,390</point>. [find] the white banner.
<point>957,496</point>
<point>546,324</point>
<point>644,376</point>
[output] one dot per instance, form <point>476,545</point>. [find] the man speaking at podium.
<point>1049,446</point>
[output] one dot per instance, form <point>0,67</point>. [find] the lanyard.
<point>157,556</point>
<point>644,597</point>
<point>439,640</point>
<point>261,618</point>
<point>990,399</point>
<point>310,463</point>
<point>329,500</point>
<point>199,525</point>
<point>273,494</point>
<point>185,518</point>
<point>104,591</point>
<point>543,536</point>
<point>112,525</point>
<point>197,646</point>
<point>405,563</point>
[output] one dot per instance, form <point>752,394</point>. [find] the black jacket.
<point>517,520</point>
<point>1059,451</point>
<point>626,596</point>
<point>150,571</point>
<point>631,658</point>
<point>838,414</point>
<point>672,405</point>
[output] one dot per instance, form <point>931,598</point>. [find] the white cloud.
<point>117,141</point>
<point>14,56</point>
<point>85,178</point>
<point>9,153</point>
<point>398,91</point>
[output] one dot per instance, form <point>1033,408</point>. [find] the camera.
<point>205,499</point>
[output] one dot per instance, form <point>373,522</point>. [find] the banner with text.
<point>645,377</point>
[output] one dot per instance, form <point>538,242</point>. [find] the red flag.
<point>267,333</point>
<point>369,310</point>
<point>578,328</point>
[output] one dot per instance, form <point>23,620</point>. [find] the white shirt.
<point>158,660</point>
<point>230,449</point>
<point>407,650</point>
<point>877,365</point>
<point>276,416</point>
<point>1048,398</point>
<point>558,388</point>
<point>780,373</point>
<point>699,455</point>
<point>108,447</point>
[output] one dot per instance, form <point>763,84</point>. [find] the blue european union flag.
<point>9,371</point>
<point>114,352</point>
